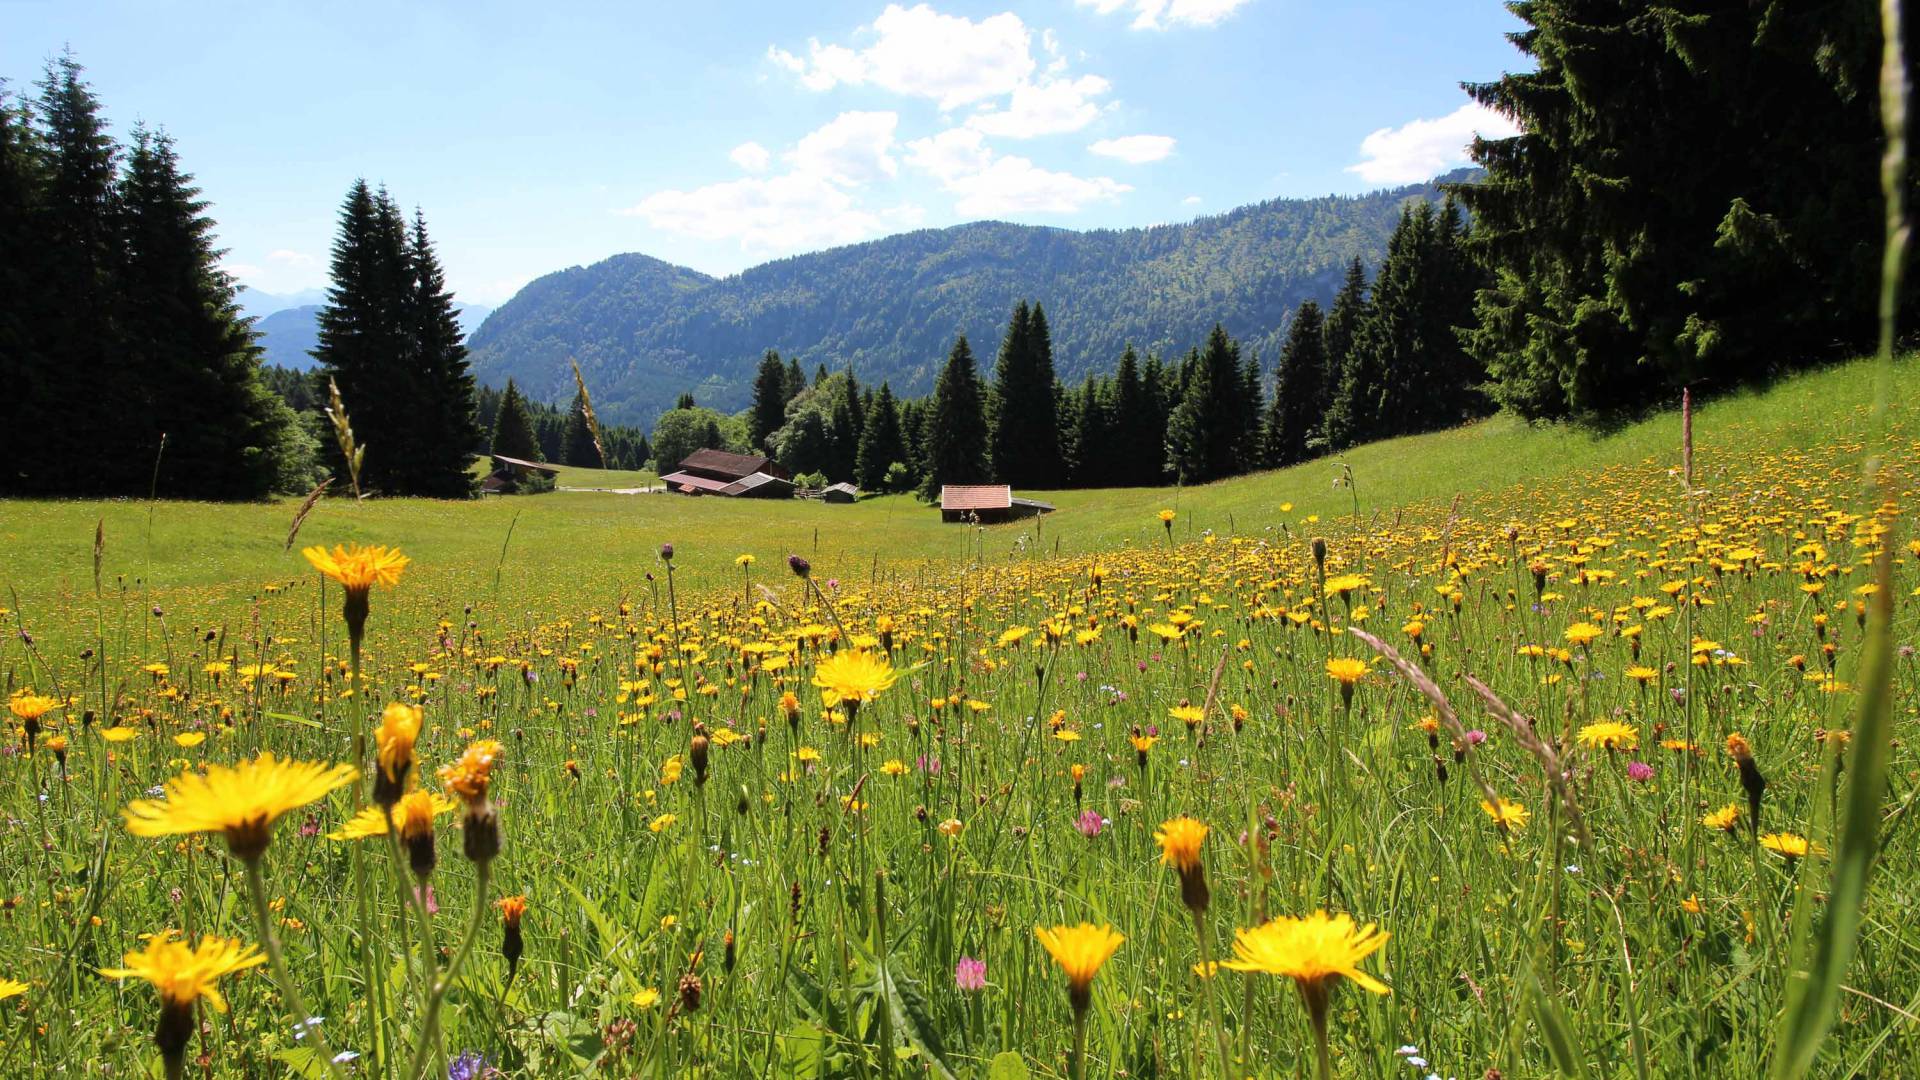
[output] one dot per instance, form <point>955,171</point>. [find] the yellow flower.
<point>1610,735</point>
<point>240,802</point>
<point>1188,714</point>
<point>1583,633</point>
<point>11,988</point>
<point>183,975</point>
<point>1180,840</point>
<point>740,560</point>
<point>1790,845</point>
<point>853,675</point>
<point>950,828</point>
<point>647,997</point>
<point>1642,675</point>
<point>1310,951</point>
<point>1080,951</point>
<point>1012,635</point>
<point>1507,815</point>
<point>1166,517</point>
<point>414,812</point>
<point>119,733</point>
<point>399,728</point>
<point>27,706</point>
<point>470,776</point>
<point>662,823</point>
<point>1346,670</point>
<point>1724,818</point>
<point>358,569</point>
<point>1342,584</point>
<point>190,739</point>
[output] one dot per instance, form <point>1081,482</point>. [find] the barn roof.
<point>976,497</point>
<point>754,482</point>
<point>518,463</point>
<point>686,481</point>
<point>725,463</point>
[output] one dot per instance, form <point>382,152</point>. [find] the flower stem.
<point>431,1026</point>
<point>263,926</point>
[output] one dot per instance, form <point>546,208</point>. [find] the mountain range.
<point>644,331</point>
<point>287,335</point>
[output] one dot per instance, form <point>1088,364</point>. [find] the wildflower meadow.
<point>1556,778</point>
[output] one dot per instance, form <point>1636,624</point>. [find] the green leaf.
<point>803,1052</point>
<point>1813,989</point>
<point>302,1061</point>
<point>1554,1028</point>
<point>909,1017</point>
<point>1007,1065</point>
<point>290,718</point>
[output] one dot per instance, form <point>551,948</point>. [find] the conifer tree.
<point>195,370</point>
<point>1024,447</point>
<point>844,431</point>
<point>443,463</point>
<point>22,181</point>
<point>1206,434</point>
<point>796,380</point>
<point>512,432</point>
<point>1655,223</point>
<point>1139,434</point>
<point>881,442</point>
<point>770,399</point>
<point>956,425</point>
<point>580,450</point>
<point>1299,391</point>
<point>83,430</point>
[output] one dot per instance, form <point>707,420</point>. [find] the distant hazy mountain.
<point>644,330</point>
<point>261,304</point>
<point>288,336</point>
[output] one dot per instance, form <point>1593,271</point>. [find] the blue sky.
<point>721,134</point>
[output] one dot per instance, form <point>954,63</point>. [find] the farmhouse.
<point>717,472</point>
<point>986,503</point>
<point>510,472</point>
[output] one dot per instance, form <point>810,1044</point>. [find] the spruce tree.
<point>22,181</point>
<point>1206,433</point>
<point>1024,447</point>
<point>1138,432</point>
<point>580,450</point>
<point>443,461</point>
<point>796,380</point>
<point>956,425</point>
<point>512,431</point>
<point>881,442</point>
<point>191,354</point>
<point>1299,390</point>
<point>1655,224</point>
<point>83,429</point>
<point>770,399</point>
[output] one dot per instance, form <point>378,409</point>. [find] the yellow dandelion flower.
<point>358,569</point>
<point>1610,735</point>
<point>241,802</point>
<point>1311,951</point>
<point>853,676</point>
<point>182,975</point>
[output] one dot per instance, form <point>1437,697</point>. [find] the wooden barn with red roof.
<point>718,472</point>
<point>986,503</point>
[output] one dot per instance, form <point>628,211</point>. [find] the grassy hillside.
<point>201,560</point>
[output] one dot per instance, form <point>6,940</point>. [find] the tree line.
<point>129,367</point>
<point>1387,359</point>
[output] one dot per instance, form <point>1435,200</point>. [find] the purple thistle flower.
<point>1639,772</point>
<point>1090,823</point>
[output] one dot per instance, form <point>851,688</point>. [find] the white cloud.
<point>989,184</point>
<point>1162,14</point>
<point>1191,200</point>
<point>288,257</point>
<point>1135,149</point>
<point>779,213</point>
<point>921,53</point>
<point>751,156</point>
<point>1422,149</point>
<point>815,203</point>
<point>1050,107</point>
<point>851,149</point>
